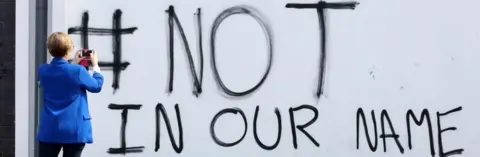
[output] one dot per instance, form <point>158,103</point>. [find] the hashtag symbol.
<point>116,32</point>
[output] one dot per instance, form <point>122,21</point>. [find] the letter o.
<point>214,120</point>
<point>254,14</point>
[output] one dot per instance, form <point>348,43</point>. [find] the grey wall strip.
<point>41,26</point>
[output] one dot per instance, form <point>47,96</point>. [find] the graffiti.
<point>198,77</point>
<point>255,126</point>
<point>116,32</point>
<point>384,116</point>
<point>441,130</point>
<point>385,131</point>
<point>161,109</point>
<point>197,80</point>
<point>216,24</point>
<point>218,115</point>
<point>123,144</point>
<point>302,127</point>
<point>279,133</point>
<point>360,114</point>
<point>320,7</point>
<point>178,147</point>
<point>424,117</point>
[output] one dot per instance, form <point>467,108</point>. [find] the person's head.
<point>59,45</point>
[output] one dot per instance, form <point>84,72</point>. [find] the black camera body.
<point>86,52</point>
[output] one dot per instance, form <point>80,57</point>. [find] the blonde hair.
<point>59,44</point>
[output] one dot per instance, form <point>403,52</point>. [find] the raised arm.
<point>92,83</point>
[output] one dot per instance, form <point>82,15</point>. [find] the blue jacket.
<point>64,116</point>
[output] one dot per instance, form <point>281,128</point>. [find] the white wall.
<point>384,55</point>
<point>56,17</point>
<point>24,77</point>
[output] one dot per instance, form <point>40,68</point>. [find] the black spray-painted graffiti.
<point>123,144</point>
<point>321,6</point>
<point>116,32</point>
<point>178,146</point>
<point>161,109</point>
<point>424,117</point>
<point>197,80</point>
<point>302,127</point>
<point>218,115</point>
<point>244,118</point>
<point>254,14</point>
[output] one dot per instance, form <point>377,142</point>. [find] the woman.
<point>65,118</point>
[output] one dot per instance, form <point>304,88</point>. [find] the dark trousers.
<point>53,149</point>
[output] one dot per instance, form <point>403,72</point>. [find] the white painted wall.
<point>56,17</point>
<point>24,77</point>
<point>392,55</point>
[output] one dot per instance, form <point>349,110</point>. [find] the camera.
<point>87,52</point>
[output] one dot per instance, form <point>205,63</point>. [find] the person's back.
<point>63,96</point>
<point>64,117</point>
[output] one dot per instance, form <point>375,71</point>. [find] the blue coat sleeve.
<point>90,83</point>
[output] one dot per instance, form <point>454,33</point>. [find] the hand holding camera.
<point>82,57</point>
<point>90,55</point>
